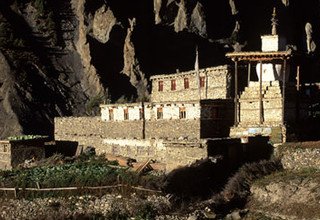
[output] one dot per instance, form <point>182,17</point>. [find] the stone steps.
<point>271,103</point>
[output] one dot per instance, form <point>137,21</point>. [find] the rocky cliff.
<point>63,57</point>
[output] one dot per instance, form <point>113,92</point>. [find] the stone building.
<point>209,83</point>
<point>185,109</point>
<point>15,152</point>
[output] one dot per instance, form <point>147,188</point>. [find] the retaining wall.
<point>297,156</point>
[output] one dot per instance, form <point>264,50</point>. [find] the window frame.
<point>202,81</point>
<point>111,115</point>
<point>159,113</point>
<point>182,112</point>
<point>173,85</point>
<point>126,114</point>
<point>160,86</point>
<point>186,83</point>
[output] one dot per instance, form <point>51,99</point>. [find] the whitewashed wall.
<point>170,111</point>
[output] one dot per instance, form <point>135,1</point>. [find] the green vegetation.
<point>123,99</point>
<point>146,211</point>
<point>26,137</point>
<point>92,106</point>
<point>83,171</point>
<point>96,171</point>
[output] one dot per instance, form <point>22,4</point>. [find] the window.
<point>186,83</point>
<point>173,84</point>
<point>111,114</point>
<point>5,148</point>
<point>159,113</point>
<point>202,81</point>
<point>125,114</point>
<point>182,112</point>
<point>160,86</point>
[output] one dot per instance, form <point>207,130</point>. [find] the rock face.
<point>291,195</point>
<point>59,58</point>
<point>9,124</point>
<point>103,23</point>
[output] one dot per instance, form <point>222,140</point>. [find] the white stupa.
<point>271,43</point>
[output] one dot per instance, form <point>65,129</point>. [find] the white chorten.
<point>271,43</point>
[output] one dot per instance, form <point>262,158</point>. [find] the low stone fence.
<point>296,156</point>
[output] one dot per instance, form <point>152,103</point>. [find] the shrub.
<point>238,186</point>
<point>237,189</point>
<point>93,104</point>
<point>146,212</point>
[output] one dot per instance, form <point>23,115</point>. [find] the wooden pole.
<point>236,120</point>
<point>260,97</point>
<point>249,72</point>
<point>143,120</point>
<point>298,95</point>
<point>283,89</point>
<point>298,78</point>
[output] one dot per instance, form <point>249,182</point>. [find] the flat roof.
<point>190,72</point>
<point>260,55</point>
<point>202,101</point>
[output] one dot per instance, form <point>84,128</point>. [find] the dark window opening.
<point>173,85</point>
<point>182,112</point>
<point>186,83</point>
<point>159,113</point>
<point>202,81</point>
<point>160,86</point>
<point>110,114</point>
<point>125,114</point>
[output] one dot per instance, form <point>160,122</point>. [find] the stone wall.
<point>172,153</point>
<point>13,153</point>
<point>5,155</point>
<point>90,131</point>
<point>296,156</point>
<point>217,82</point>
